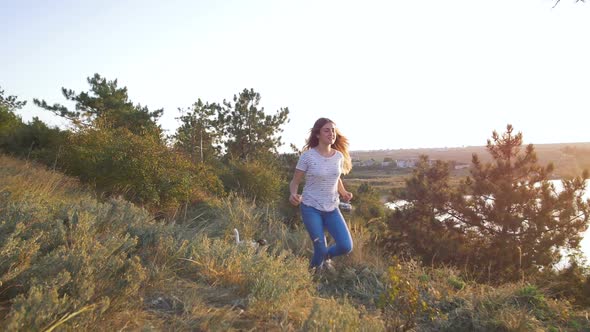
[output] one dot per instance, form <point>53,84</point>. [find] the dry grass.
<point>20,179</point>
<point>70,262</point>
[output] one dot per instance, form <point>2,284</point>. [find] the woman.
<point>325,157</point>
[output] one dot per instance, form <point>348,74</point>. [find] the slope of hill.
<point>70,261</point>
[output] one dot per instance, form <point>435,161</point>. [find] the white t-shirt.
<point>321,179</point>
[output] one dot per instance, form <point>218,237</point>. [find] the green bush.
<point>457,283</point>
<point>33,140</point>
<point>9,124</point>
<point>140,167</point>
<point>407,299</point>
<point>571,283</point>
<point>255,180</point>
<point>367,202</point>
<point>55,270</point>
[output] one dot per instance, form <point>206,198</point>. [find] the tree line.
<point>504,222</point>
<point>118,147</point>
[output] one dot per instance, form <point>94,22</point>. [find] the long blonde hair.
<point>341,143</point>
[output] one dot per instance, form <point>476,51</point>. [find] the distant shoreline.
<point>569,159</point>
<point>467,147</point>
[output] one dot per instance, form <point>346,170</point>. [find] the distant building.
<point>369,162</point>
<point>461,166</point>
<point>406,163</point>
<point>357,163</point>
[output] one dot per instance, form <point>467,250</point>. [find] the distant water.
<point>584,244</point>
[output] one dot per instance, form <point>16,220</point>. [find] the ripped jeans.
<point>316,222</point>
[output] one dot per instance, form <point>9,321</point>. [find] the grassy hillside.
<point>72,261</point>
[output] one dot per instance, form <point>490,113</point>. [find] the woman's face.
<point>327,134</point>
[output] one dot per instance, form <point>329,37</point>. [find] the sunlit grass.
<point>71,262</point>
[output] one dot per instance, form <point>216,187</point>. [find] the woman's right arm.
<point>295,198</point>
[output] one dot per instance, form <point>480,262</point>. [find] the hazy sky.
<point>391,74</point>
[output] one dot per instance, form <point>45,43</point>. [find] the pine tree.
<point>503,221</point>
<point>10,102</point>
<point>198,135</point>
<point>248,131</point>
<point>105,106</point>
<point>519,220</point>
<point>417,228</point>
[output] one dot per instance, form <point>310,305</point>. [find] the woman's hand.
<point>346,196</point>
<point>295,199</point>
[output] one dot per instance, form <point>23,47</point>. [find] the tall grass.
<point>69,261</point>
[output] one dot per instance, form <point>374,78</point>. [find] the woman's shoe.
<point>328,265</point>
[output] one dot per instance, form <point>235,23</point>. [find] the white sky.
<point>391,74</point>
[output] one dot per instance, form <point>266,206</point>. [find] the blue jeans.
<point>316,222</point>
